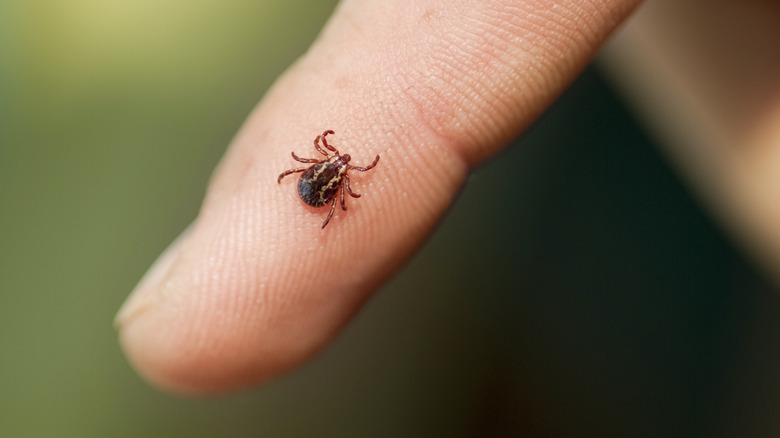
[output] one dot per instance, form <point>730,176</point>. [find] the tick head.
<point>346,158</point>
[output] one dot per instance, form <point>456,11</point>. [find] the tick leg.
<point>363,169</point>
<point>343,204</point>
<point>325,142</point>
<point>330,214</point>
<point>317,144</point>
<point>349,189</point>
<point>287,172</point>
<point>304,160</point>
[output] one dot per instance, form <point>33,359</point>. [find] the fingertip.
<point>173,363</point>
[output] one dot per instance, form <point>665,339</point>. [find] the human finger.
<point>256,285</point>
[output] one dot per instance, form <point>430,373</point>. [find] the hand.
<point>707,79</point>
<point>255,286</point>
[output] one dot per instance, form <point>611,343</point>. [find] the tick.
<point>322,182</point>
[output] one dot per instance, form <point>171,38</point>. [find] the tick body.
<point>326,180</point>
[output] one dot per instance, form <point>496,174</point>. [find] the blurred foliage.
<point>575,289</point>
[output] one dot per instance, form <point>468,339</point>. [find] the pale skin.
<point>434,88</point>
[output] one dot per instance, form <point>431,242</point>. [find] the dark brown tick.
<point>321,182</point>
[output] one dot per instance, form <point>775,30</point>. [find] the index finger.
<point>257,285</point>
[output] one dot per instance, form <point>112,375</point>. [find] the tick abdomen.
<point>320,183</point>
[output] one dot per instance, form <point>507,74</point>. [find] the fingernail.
<point>148,292</point>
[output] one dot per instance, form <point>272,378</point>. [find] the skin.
<point>706,76</point>
<point>434,88</point>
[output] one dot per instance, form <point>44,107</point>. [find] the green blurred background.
<point>575,289</point>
